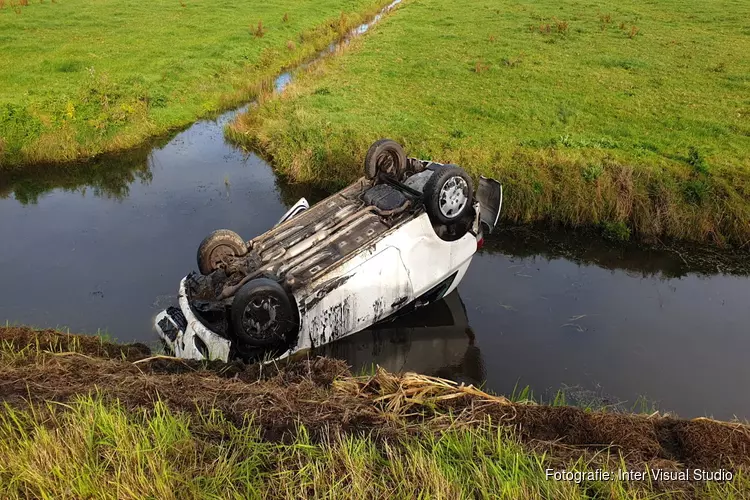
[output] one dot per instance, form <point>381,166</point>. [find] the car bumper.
<point>186,336</point>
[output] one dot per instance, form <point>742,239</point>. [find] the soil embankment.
<point>322,395</point>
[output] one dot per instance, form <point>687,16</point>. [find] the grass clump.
<point>85,78</point>
<point>632,100</point>
<point>696,160</point>
<point>20,342</point>
<point>259,30</point>
<point>697,191</point>
<point>592,172</point>
<point>616,231</point>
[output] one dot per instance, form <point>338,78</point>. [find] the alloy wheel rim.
<point>453,197</point>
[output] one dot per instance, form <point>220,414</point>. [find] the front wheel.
<point>448,195</point>
<point>263,315</point>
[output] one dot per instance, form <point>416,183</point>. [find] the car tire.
<point>216,247</point>
<point>385,157</point>
<point>263,315</point>
<point>448,195</point>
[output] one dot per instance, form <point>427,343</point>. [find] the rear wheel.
<point>263,315</point>
<point>385,157</point>
<point>448,195</point>
<point>217,247</point>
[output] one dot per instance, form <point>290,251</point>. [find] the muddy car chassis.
<point>397,239</point>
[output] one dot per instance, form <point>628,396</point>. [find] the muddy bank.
<point>321,394</point>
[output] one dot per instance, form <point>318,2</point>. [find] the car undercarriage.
<point>259,296</point>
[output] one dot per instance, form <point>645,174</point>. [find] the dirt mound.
<point>705,444</point>
<point>322,395</point>
<point>277,400</point>
<point>320,371</point>
<point>20,339</point>
<point>698,443</point>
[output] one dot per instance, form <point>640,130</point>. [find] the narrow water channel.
<point>102,247</point>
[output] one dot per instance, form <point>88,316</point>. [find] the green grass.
<point>633,116</point>
<point>94,449</point>
<point>79,78</point>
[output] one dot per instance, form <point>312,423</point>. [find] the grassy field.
<point>81,417</point>
<point>632,115</point>
<point>79,77</point>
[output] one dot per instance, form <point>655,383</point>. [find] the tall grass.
<point>94,449</point>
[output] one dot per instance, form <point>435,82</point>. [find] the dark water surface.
<point>103,247</point>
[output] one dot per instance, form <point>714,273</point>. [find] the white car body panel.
<point>433,340</point>
<point>297,208</point>
<point>379,281</point>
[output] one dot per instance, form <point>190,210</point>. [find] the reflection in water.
<point>434,340</point>
<point>108,176</point>
<point>111,176</point>
<point>545,321</point>
<point>290,192</point>
<point>640,260</point>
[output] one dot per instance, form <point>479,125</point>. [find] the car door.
<point>490,197</point>
<point>359,294</point>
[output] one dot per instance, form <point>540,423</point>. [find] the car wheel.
<point>448,195</point>
<point>262,314</point>
<point>385,157</point>
<point>216,247</point>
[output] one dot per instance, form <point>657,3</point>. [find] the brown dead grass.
<point>322,395</point>
<point>697,443</point>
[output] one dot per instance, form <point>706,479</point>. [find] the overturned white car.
<point>397,239</point>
